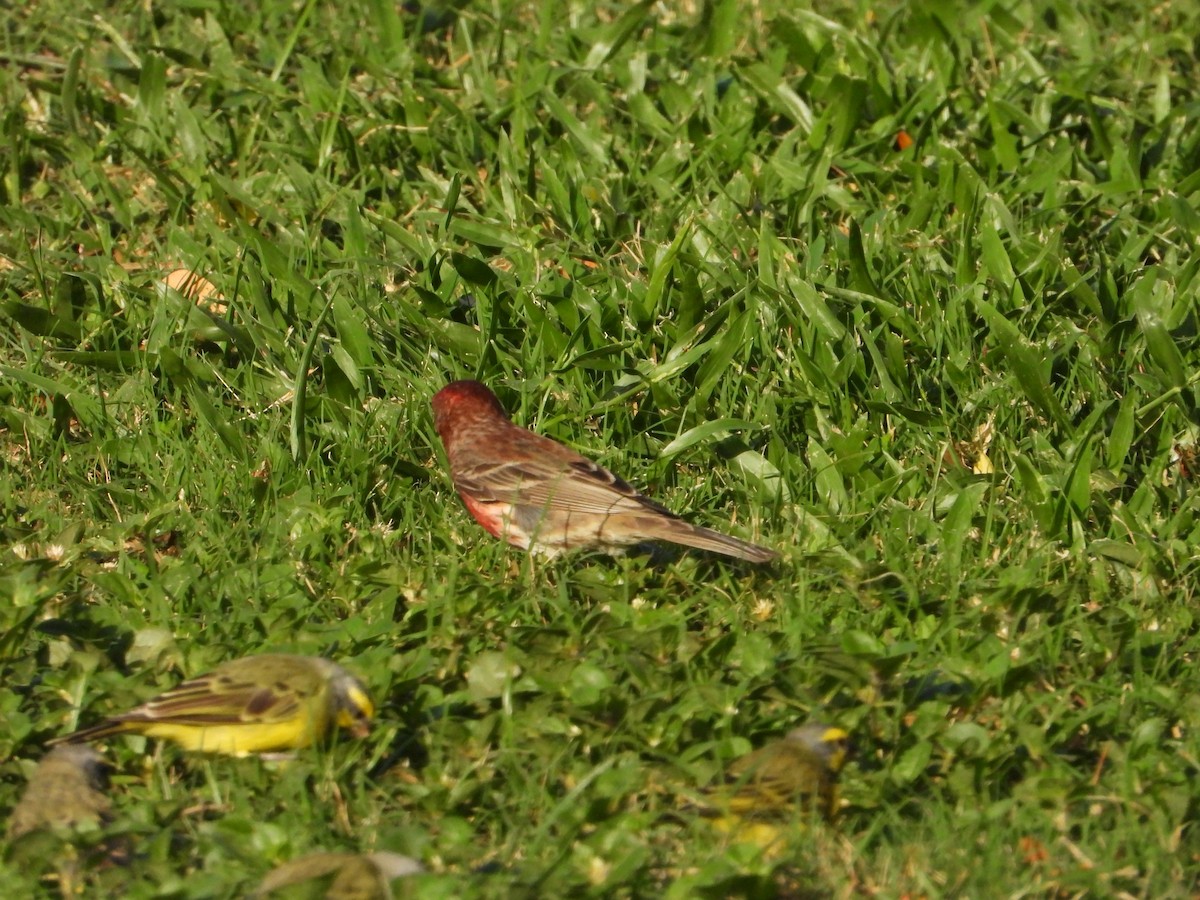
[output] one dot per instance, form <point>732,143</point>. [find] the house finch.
<point>539,495</point>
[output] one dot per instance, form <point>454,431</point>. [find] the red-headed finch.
<point>541,496</point>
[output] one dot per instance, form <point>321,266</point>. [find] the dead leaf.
<point>198,289</point>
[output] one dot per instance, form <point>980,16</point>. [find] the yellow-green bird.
<point>799,771</point>
<point>271,703</point>
<point>66,790</point>
<point>346,876</point>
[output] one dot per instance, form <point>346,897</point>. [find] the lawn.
<point>905,291</point>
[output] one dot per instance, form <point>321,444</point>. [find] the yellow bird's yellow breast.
<point>236,739</point>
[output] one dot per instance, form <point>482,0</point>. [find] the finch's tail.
<point>680,532</point>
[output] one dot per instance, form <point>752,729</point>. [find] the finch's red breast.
<point>490,515</point>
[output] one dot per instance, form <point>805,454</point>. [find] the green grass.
<point>684,241</point>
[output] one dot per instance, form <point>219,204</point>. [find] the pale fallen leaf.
<point>198,289</point>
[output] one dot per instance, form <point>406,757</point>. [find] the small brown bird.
<point>66,790</point>
<point>349,876</point>
<point>271,703</point>
<point>541,496</point>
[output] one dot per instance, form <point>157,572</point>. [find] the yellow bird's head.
<point>351,703</point>
<point>828,743</point>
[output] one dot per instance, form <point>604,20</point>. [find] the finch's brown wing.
<point>579,487</point>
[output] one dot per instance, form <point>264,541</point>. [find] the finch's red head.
<point>463,401</point>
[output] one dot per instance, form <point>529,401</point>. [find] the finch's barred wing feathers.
<point>590,473</point>
<point>580,487</point>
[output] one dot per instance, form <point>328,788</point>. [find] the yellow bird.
<point>799,771</point>
<point>66,790</point>
<point>259,704</point>
<point>351,876</point>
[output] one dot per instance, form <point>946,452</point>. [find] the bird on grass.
<point>57,824</point>
<point>266,704</point>
<point>349,876</point>
<point>796,773</point>
<point>66,791</point>
<point>541,496</point>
